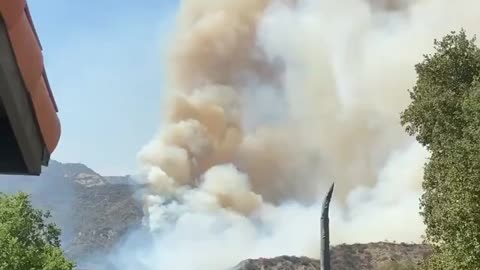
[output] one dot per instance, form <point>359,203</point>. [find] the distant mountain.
<point>93,211</point>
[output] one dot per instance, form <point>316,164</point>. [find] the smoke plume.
<point>269,102</point>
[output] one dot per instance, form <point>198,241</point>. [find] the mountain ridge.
<point>370,256</point>
<point>93,211</point>
<point>97,212</point>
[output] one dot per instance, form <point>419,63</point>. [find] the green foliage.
<point>445,117</point>
<point>26,240</point>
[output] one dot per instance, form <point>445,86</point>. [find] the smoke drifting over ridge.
<point>270,101</point>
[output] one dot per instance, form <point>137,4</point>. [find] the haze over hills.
<point>93,211</point>
<point>96,213</point>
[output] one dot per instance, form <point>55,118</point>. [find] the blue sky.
<point>104,63</point>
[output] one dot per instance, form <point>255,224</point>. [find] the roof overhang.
<point>29,125</point>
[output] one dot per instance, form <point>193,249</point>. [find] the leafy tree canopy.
<point>26,240</point>
<point>444,116</point>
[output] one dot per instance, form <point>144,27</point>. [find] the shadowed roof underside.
<point>29,125</point>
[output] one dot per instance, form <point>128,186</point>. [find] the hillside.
<point>279,263</point>
<point>93,211</point>
<point>372,256</point>
<point>96,212</point>
<point>376,255</point>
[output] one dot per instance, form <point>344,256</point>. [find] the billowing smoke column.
<point>217,72</point>
<point>268,101</point>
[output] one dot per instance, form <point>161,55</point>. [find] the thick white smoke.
<point>271,100</point>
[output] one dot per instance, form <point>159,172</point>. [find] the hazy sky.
<point>103,59</point>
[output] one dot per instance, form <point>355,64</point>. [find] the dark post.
<point>325,232</point>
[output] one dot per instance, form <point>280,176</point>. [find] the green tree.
<point>444,115</point>
<point>27,242</point>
